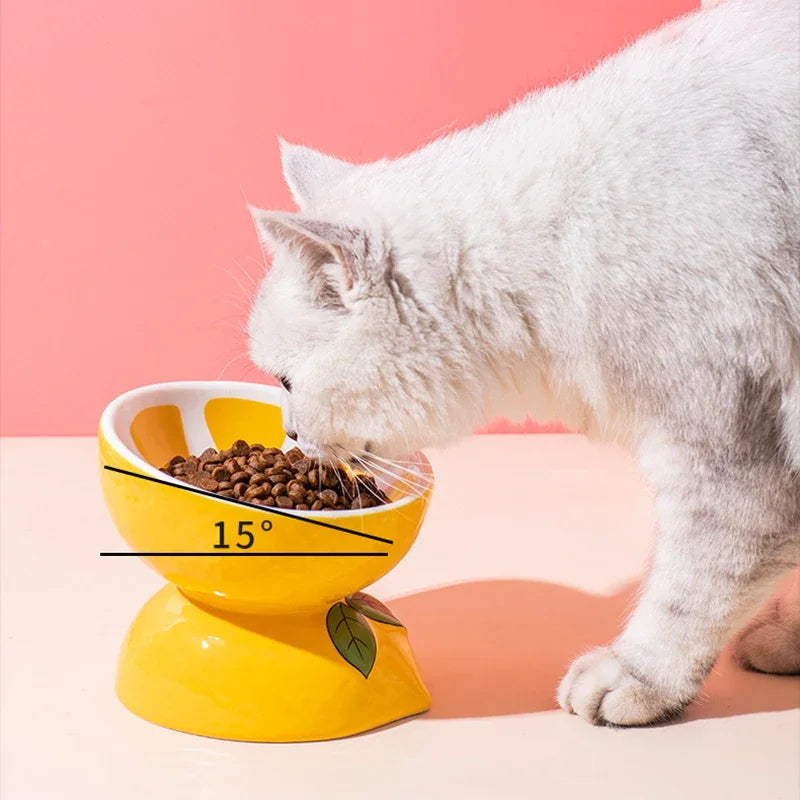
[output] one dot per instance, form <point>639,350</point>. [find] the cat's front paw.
<point>602,690</point>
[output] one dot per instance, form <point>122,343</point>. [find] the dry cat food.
<point>266,476</point>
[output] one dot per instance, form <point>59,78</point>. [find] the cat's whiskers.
<point>349,456</point>
<point>394,475</point>
<point>391,461</point>
<point>406,469</point>
<point>245,272</point>
<point>359,484</point>
<point>338,475</point>
<point>228,364</point>
<point>249,293</point>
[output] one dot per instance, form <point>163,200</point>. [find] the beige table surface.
<point>497,599</point>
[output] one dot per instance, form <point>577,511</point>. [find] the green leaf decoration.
<point>352,637</point>
<point>372,608</point>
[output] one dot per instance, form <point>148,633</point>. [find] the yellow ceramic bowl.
<point>142,429</point>
<point>262,639</point>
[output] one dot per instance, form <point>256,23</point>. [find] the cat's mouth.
<point>334,455</point>
<point>313,450</point>
<point>337,455</point>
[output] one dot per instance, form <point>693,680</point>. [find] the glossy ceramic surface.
<point>258,677</point>
<point>263,639</point>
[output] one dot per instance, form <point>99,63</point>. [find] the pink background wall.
<point>133,132</point>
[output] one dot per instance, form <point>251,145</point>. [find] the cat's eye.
<point>285,382</point>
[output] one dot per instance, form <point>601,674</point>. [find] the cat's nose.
<point>292,434</point>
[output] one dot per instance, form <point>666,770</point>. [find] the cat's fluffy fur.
<point>620,253</point>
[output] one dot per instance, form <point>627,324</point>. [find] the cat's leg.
<point>771,641</point>
<point>725,535</point>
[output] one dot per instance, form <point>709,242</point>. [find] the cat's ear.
<point>332,254</point>
<point>308,173</point>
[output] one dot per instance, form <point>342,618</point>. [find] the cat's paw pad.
<point>771,642</point>
<point>601,689</point>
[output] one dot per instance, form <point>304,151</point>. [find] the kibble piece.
<point>203,481</point>
<point>296,493</point>
<point>176,460</point>
<point>219,473</point>
<point>225,493</point>
<point>347,490</point>
<point>256,446</point>
<point>239,489</point>
<point>329,497</point>
<point>254,491</point>
<point>240,477</point>
<point>313,477</point>
<point>301,506</point>
<point>364,501</point>
<point>268,501</point>
<point>257,479</point>
<point>317,505</point>
<point>283,502</point>
<point>279,490</point>
<point>240,448</point>
<point>302,465</point>
<point>189,467</point>
<point>328,477</point>
<point>295,454</point>
<point>226,454</point>
<point>266,460</point>
<point>302,479</point>
<point>225,484</point>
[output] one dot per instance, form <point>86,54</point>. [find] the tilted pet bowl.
<point>268,638</point>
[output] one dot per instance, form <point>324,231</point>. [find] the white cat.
<point>620,253</point>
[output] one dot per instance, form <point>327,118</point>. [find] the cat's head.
<point>349,318</point>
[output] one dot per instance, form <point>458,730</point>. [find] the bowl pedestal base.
<point>314,675</point>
